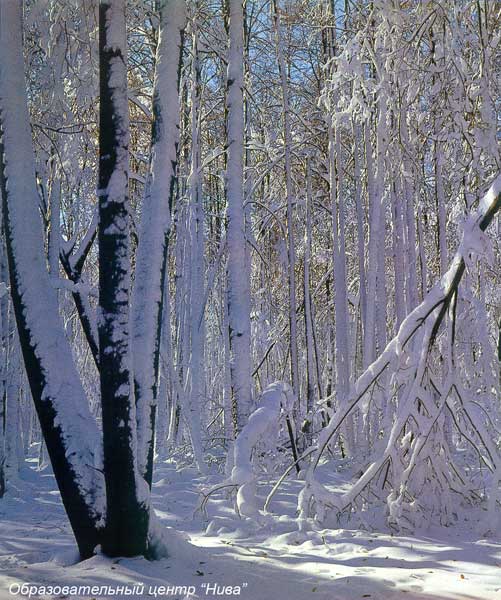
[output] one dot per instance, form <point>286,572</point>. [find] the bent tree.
<point>99,474</point>
<point>415,439</point>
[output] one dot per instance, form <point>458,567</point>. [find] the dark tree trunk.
<point>127,515</point>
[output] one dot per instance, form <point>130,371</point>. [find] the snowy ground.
<point>271,563</point>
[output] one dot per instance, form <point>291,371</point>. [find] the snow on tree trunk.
<point>70,432</point>
<point>380,216</point>
<point>4,365</point>
<point>291,251</point>
<point>409,217</point>
<point>441,209</point>
<point>337,206</point>
<point>12,401</point>
<point>398,255</point>
<point>229,423</point>
<point>127,514</point>
<point>374,218</point>
<point>151,260</point>
<point>341,353</point>
<point>197,362</point>
<point>308,313</point>
<point>54,237</point>
<point>360,234</point>
<point>238,284</point>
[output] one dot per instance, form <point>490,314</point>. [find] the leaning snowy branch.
<point>435,304</point>
<point>439,296</point>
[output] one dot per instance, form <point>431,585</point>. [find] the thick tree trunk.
<point>127,515</point>
<point>68,428</point>
<point>4,337</point>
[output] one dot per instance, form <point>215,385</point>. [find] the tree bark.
<point>127,514</point>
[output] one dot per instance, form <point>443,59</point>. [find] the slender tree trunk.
<point>13,430</point>
<point>197,361</point>
<point>337,204</point>
<point>441,210</point>
<point>409,217</point>
<point>398,255</point>
<point>151,265</point>
<point>238,283</point>
<point>360,236</point>
<point>291,250</point>
<point>73,265</point>
<point>374,217</point>
<point>422,253</point>
<point>380,217</point>
<point>308,316</point>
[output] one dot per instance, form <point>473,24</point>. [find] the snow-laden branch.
<point>439,296</point>
<point>79,287</point>
<point>434,305</point>
<point>77,258</point>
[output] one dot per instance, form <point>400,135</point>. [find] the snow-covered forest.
<point>250,298</point>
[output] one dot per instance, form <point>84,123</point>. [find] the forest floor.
<point>273,562</point>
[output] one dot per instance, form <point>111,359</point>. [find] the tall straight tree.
<point>127,512</point>
<point>238,283</point>
<point>151,259</point>
<point>197,362</point>
<point>291,251</point>
<point>337,204</point>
